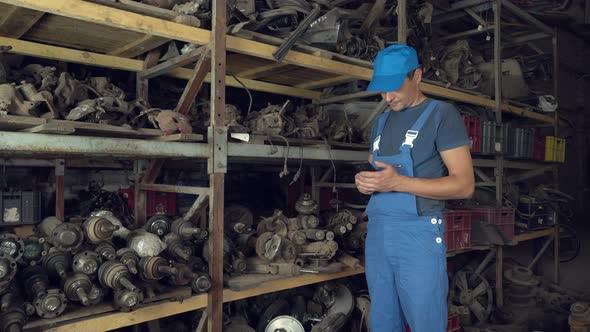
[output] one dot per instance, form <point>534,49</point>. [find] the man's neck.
<point>419,99</point>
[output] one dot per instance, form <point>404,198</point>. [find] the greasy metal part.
<point>306,205</point>
<point>33,251</point>
<point>129,258</point>
<point>98,229</point>
<point>57,263</point>
<point>330,235</point>
<point>122,232</point>
<point>201,284</point>
<point>51,304</point>
<point>579,314</point>
<point>284,323</point>
<point>349,261</point>
<point>320,248</point>
<point>183,276</point>
<point>268,245</point>
<point>63,236</point>
<point>158,224</point>
<point>474,293</point>
<point>8,270</point>
<point>96,295</point>
<point>238,217</point>
<point>43,77</point>
<point>521,276</point>
<point>176,249</point>
<point>114,275</point>
<point>358,236</point>
<point>289,251</point>
<point>298,237</point>
<point>106,251</point>
<point>155,268</point>
<point>185,229</point>
<point>309,221</point>
<point>239,265</point>
<point>268,121</point>
<point>333,322</point>
<point>35,281</point>
<point>77,287</point>
<point>86,262</point>
<point>11,245</point>
<point>277,223</point>
<point>238,324</point>
<point>315,234</point>
<point>25,100</point>
<point>257,265</point>
<point>342,217</point>
<point>125,300</point>
<point>339,230</point>
<point>343,301</point>
<point>12,320</point>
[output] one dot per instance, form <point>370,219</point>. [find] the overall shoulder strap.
<point>412,134</point>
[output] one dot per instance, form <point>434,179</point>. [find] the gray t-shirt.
<point>444,130</point>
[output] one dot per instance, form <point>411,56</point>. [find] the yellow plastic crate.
<point>555,149</point>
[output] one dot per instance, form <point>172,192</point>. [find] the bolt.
<point>349,226</point>
<point>109,228</point>
<point>132,266</point>
<point>182,253</point>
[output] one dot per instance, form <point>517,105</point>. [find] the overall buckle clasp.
<point>410,137</point>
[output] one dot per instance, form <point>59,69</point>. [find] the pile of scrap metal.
<point>279,245</point>
<point>325,307</point>
<point>353,28</point>
<point>66,264</point>
<point>41,92</point>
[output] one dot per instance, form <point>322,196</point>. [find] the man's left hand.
<point>385,180</point>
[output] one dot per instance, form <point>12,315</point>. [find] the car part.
<point>12,320</point>
<point>77,287</point>
<point>145,244</point>
<point>105,88</point>
<point>183,276</point>
<point>185,229</point>
<point>320,248</point>
<point>98,229</point>
<point>57,263</point>
<point>306,205</point>
<point>257,265</point>
<point>48,302</point>
<point>579,319</point>
<point>473,291</point>
<point>129,258</point>
<point>8,270</point>
<point>170,122</point>
<point>356,240</point>
<point>268,245</point>
<point>201,284</point>
<point>314,234</point>
<point>238,218</point>
<point>11,245</point>
<point>69,91</point>
<point>298,237</point>
<point>331,323</point>
<point>238,324</point>
<point>33,251</point>
<point>25,100</point>
<point>268,121</point>
<point>86,262</point>
<point>106,251</point>
<point>96,295</point>
<point>112,199</point>
<point>114,275</point>
<point>42,77</point>
<point>155,268</point>
<point>176,249</point>
<point>288,43</point>
<point>284,323</point>
<point>158,224</point>
<point>63,236</point>
<point>125,299</point>
<point>277,223</point>
<point>277,308</point>
<point>349,261</point>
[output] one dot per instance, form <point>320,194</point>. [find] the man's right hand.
<point>359,185</point>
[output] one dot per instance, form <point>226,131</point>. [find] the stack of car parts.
<point>67,264</point>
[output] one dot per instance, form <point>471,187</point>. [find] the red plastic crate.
<point>473,126</point>
<point>457,229</point>
<point>539,148</point>
<point>503,217</point>
<point>157,202</point>
<point>453,325</point>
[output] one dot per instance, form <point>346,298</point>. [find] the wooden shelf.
<point>114,320</point>
<point>534,235</point>
<point>101,32</point>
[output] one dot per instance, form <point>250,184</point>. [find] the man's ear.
<point>417,75</point>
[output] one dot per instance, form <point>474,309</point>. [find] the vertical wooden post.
<point>59,189</point>
<point>217,165</point>
<point>499,276</point>
<point>555,45</point>
<point>142,91</point>
<point>402,21</point>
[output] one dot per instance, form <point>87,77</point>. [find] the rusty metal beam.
<point>196,81</point>
<point>166,67</point>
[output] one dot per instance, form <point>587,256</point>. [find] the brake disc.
<point>284,323</point>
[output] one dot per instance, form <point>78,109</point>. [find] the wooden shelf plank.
<point>109,61</point>
<point>534,235</point>
<point>287,283</point>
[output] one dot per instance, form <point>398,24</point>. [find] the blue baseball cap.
<point>391,67</point>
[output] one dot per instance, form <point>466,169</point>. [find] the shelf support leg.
<point>499,276</point>
<point>59,189</point>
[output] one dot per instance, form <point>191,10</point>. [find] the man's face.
<point>405,96</point>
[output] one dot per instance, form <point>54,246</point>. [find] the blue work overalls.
<point>405,254</point>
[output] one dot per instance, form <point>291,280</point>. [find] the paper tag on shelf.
<point>241,136</point>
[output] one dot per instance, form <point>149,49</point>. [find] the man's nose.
<point>388,96</point>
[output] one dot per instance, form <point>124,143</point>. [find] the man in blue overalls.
<point>420,151</point>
